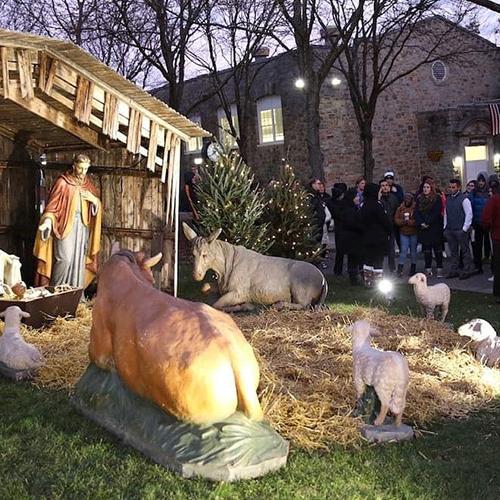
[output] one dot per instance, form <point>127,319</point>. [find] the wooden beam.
<point>108,88</point>
<point>47,69</point>
<point>25,70</point>
<point>134,131</point>
<point>5,71</point>
<point>110,123</point>
<point>83,99</point>
<point>43,110</point>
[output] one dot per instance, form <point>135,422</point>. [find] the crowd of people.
<point>371,220</point>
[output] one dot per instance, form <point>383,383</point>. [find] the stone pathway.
<point>478,283</point>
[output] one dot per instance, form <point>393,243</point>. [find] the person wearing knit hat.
<point>396,189</point>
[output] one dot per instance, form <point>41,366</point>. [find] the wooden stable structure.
<point>56,100</point>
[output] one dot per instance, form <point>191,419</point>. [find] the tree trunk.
<point>368,160</point>
<point>314,154</point>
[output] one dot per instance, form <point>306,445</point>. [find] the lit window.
<point>270,120</point>
<point>225,135</point>
<point>195,143</point>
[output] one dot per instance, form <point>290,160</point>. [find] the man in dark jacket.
<point>390,203</point>
<point>481,240</point>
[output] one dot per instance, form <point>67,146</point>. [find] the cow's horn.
<point>214,235</point>
<point>152,261</point>
<point>189,232</point>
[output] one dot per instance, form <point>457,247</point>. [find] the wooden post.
<point>164,167</point>
<point>5,71</point>
<point>153,145</point>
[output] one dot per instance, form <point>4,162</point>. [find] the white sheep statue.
<point>430,297</point>
<point>487,342</point>
<point>386,371</point>
<point>15,353</point>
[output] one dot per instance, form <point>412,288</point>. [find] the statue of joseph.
<point>68,238</point>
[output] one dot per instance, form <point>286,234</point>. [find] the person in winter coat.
<point>349,232</point>
<point>360,187</point>
<point>491,221</point>
<point>457,225</point>
<point>376,232</point>
<point>390,203</point>
<point>394,188</point>
<point>481,240</point>
<point>320,202</point>
<point>404,219</point>
<point>429,222</point>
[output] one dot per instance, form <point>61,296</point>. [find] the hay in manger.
<point>305,360</point>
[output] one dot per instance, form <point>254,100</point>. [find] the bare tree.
<point>488,4</point>
<point>302,20</point>
<point>378,56</point>
<point>91,24</point>
<point>163,31</point>
<point>234,31</point>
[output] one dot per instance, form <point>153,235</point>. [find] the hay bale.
<point>306,369</point>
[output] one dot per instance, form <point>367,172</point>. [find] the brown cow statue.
<point>186,357</point>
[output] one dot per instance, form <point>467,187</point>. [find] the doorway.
<point>476,161</point>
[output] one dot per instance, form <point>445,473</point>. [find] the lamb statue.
<point>487,342</point>
<point>386,371</point>
<point>15,353</point>
<point>430,297</point>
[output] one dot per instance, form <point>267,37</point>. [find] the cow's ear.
<point>214,235</point>
<point>189,233</point>
<point>115,247</point>
<point>152,261</point>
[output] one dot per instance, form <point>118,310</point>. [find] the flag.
<point>495,119</point>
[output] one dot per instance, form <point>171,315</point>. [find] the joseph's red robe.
<point>64,198</point>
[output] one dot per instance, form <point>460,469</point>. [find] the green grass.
<point>47,450</point>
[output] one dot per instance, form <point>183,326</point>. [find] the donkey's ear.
<point>115,247</point>
<point>189,232</point>
<point>214,235</point>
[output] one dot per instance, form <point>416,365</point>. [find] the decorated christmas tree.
<point>229,199</point>
<point>290,217</point>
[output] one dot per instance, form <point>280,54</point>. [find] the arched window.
<point>225,135</point>
<point>270,120</point>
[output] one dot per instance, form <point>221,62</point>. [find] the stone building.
<point>435,120</point>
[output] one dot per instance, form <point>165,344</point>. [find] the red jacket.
<point>491,217</point>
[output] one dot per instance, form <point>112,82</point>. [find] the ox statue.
<point>246,277</point>
<point>186,357</point>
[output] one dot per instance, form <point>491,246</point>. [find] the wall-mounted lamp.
<point>198,161</point>
<point>496,160</point>
<point>336,81</point>
<point>458,165</point>
<point>300,83</point>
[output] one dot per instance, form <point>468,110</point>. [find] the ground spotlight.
<point>385,286</point>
